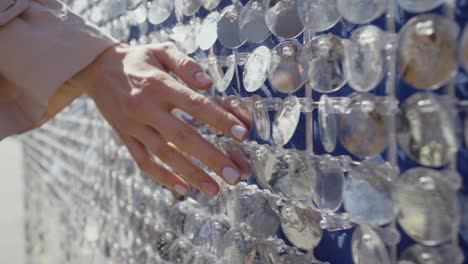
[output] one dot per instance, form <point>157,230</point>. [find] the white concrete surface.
<point>11,203</point>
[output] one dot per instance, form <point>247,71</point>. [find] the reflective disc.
<point>187,7</point>
<point>282,18</point>
<point>325,56</point>
<point>289,67</point>
<point>427,128</point>
<point>327,123</point>
<point>228,27</point>
<point>365,58</point>
<point>368,247</point>
<point>210,4</point>
<point>301,226</point>
<point>256,68</point>
<point>208,33</point>
<point>185,35</point>
<point>418,6</point>
<point>318,15</point>
<point>361,11</point>
<point>419,254</point>
<point>252,22</point>
<point>261,118</point>
<point>221,78</point>
<point>367,196</point>
<point>159,11</point>
<point>427,51</point>
<point>328,192</point>
<point>286,120</point>
<point>427,206</point>
<point>363,128</point>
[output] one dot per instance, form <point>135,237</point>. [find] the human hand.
<point>133,90</point>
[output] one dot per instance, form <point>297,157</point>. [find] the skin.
<point>135,93</point>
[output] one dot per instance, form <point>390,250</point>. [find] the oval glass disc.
<point>426,129</point>
<point>221,78</point>
<point>256,69</point>
<point>327,123</point>
<point>301,226</point>
<point>418,6</point>
<point>361,11</point>
<point>367,196</point>
<point>288,72</point>
<point>363,128</point>
<point>185,37</point>
<point>210,4</point>
<point>318,15</point>
<point>286,120</point>
<point>188,7</point>
<point>444,254</point>
<point>159,11</point>
<point>229,34</point>
<point>427,51</point>
<point>365,58</point>
<point>368,247</point>
<point>427,206</point>
<point>328,193</point>
<point>252,22</point>
<point>325,56</point>
<point>261,118</point>
<point>282,18</point>
<point>464,48</point>
<point>208,33</point>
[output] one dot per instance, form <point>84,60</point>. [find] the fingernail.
<point>238,131</point>
<point>202,78</point>
<point>210,188</point>
<point>231,175</point>
<point>180,189</point>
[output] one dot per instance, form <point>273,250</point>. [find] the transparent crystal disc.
<point>222,79</point>
<point>261,118</point>
<point>282,18</point>
<point>210,4</point>
<point>208,33</point>
<point>328,123</point>
<point>318,15</point>
<point>286,120</point>
<point>329,187</point>
<point>159,11</point>
<point>427,205</point>
<point>229,34</point>
<point>361,11</point>
<point>368,247</point>
<point>252,22</point>
<point>418,6</point>
<point>256,68</point>
<point>187,7</point>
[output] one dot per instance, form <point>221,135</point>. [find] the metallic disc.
<point>283,19</point>
<point>318,15</point>
<point>464,48</point>
<point>418,6</point>
<point>448,253</point>
<point>286,120</point>
<point>221,78</point>
<point>427,129</point>
<point>327,122</point>
<point>365,58</point>
<point>368,247</point>
<point>361,11</point>
<point>427,51</point>
<point>256,69</point>
<point>367,196</point>
<point>208,33</point>
<point>289,68</point>
<point>289,173</point>
<point>252,22</point>
<point>210,4</point>
<point>159,11</point>
<point>261,118</point>
<point>301,226</point>
<point>187,7</point>
<point>427,206</point>
<point>228,27</point>
<point>364,128</point>
<point>329,187</point>
<point>325,56</point>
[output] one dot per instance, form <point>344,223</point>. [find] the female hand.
<point>133,90</point>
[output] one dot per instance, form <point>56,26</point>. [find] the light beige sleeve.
<point>43,45</point>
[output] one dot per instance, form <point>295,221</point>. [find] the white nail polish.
<point>238,131</point>
<point>231,175</point>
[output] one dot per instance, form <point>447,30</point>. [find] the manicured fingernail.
<point>210,188</point>
<point>180,189</point>
<point>231,175</point>
<point>238,131</point>
<point>202,78</point>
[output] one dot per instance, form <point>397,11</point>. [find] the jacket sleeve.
<point>43,45</point>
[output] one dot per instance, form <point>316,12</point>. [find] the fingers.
<point>171,156</point>
<point>148,165</point>
<point>185,67</point>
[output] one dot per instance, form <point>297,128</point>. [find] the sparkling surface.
<point>283,19</point>
<point>159,11</point>
<point>286,120</point>
<point>361,11</point>
<point>185,35</point>
<point>256,68</point>
<point>328,123</point>
<point>208,33</point>
<point>301,226</point>
<point>427,51</point>
<point>427,206</point>
<point>187,7</point>
<point>252,21</point>
<point>318,15</point>
<point>368,247</point>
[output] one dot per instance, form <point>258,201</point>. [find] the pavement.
<point>11,203</point>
